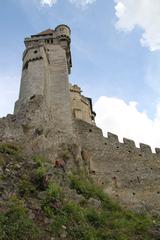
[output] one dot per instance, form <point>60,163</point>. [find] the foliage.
<point>111,222</point>
<point>61,207</point>
<point>26,188</point>
<point>9,148</point>
<point>15,223</point>
<point>52,203</point>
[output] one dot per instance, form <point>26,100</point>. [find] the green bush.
<point>16,225</point>
<point>53,200</point>
<point>39,173</point>
<point>88,189</point>
<point>9,148</point>
<point>39,160</point>
<point>54,191</point>
<point>26,188</point>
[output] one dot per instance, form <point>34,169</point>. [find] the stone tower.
<point>46,66</point>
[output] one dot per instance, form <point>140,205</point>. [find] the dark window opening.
<point>92,117</point>
<point>90,130</point>
<point>32,97</point>
<point>35,51</point>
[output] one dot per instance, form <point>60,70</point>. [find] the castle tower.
<point>46,66</point>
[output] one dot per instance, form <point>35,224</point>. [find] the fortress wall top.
<point>112,139</point>
<point>129,143</point>
<point>126,172</point>
<point>157,151</point>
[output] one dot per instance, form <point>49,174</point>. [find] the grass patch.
<point>26,188</point>
<point>53,202</point>
<point>15,223</point>
<point>111,221</point>
<point>88,189</point>
<point>39,173</point>
<point>9,148</point>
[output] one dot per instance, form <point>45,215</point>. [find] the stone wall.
<point>129,174</point>
<point>81,106</point>
<point>45,73</point>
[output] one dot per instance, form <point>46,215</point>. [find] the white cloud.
<point>144,14</point>
<point>81,3</point>
<point>48,2</point>
<point>116,116</point>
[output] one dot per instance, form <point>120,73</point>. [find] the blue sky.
<point>115,53</point>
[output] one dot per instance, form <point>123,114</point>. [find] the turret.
<point>63,33</point>
<point>46,65</point>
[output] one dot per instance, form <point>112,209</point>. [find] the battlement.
<point>112,140</point>
<point>130,144</point>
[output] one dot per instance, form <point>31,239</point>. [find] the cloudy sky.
<point>116,57</point>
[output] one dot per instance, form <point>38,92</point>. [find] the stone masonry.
<point>51,112</point>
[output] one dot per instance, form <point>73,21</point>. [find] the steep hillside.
<point>40,199</point>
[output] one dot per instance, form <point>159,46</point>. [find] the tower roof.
<point>45,32</point>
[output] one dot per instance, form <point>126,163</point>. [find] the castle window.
<point>92,117</point>
<point>35,51</point>
<point>32,97</point>
<point>90,130</point>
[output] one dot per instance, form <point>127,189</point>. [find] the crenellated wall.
<point>128,173</point>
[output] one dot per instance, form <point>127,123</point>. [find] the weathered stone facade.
<point>46,64</point>
<point>81,105</point>
<point>50,112</point>
<point>127,173</point>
